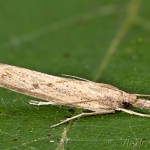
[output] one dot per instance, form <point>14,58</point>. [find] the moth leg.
<point>82,115</point>
<point>39,103</point>
<point>133,112</point>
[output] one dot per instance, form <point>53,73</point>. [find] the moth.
<point>98,98</point>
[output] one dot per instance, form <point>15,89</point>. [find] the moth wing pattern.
<point>51,88</point>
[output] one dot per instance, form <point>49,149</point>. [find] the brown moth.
<point>98,98</point>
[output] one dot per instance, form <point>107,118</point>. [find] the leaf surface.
<point>103,41</point>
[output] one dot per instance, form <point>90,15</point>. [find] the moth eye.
<point>125,104</point>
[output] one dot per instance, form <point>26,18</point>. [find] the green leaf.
<point>103,41</point>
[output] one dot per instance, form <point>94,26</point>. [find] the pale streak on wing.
<point>63,91</point>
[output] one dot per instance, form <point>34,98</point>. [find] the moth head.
<point>128,100</point>
<point>132,98</point>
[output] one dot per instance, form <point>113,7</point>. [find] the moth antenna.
<point>142,95</point>
<point>75,77</point>
<point>142,103</point>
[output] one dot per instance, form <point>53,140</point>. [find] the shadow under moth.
<point>98,98</point>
